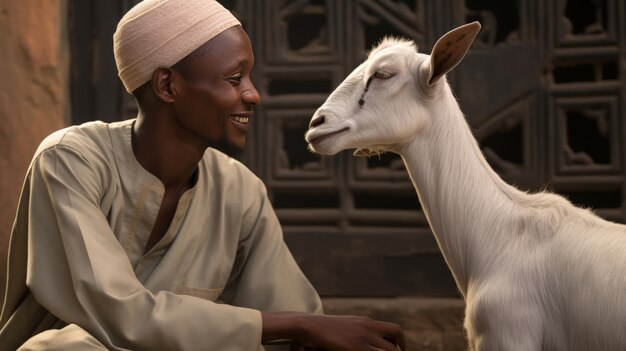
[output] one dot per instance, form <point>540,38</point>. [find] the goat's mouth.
<point>314,138</point>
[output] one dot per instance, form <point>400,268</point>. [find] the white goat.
<point>536,272</point>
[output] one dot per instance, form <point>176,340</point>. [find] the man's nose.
<point>251,96</point>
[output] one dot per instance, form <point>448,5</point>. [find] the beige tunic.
<point>76,251</point>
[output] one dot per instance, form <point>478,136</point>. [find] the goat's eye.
<point>383,75</point>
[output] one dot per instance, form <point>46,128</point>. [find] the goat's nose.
<point>316,121</point>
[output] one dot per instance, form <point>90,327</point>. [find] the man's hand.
<point>332,333</point>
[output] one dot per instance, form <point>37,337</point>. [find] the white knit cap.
<point>159,33</point>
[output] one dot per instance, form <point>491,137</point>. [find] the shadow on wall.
<point>33,94</point>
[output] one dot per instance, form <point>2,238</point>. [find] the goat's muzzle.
<point>316,121</point>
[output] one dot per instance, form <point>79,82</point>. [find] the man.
<point>140,235</point>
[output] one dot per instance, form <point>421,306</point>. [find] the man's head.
<point>193,59</point>
<point>159,33</point>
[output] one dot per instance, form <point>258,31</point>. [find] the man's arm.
<point>267,278</point>
<point>79,272</point>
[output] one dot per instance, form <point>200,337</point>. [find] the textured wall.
<point>33,93</point>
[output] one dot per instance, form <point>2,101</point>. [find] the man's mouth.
<point>240,119</point>
<point>240,122</point>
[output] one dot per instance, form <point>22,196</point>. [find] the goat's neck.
<point>463,198</point>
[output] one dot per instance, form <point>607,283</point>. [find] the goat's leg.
<point>503,340</point>
<point>499,321</point>
<point>508,335</point>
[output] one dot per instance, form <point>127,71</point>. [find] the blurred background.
<point>542,87</point>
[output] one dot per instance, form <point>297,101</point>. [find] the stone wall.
<point>33,94</point>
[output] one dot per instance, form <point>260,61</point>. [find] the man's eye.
<point>383,75</point>
<point>235,79</point>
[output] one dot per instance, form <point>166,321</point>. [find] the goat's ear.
<point>450,50</point>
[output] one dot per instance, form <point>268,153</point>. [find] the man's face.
<point>216,95</point>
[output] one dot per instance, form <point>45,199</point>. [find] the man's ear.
<point>450,50</point>
<point>162,84</point>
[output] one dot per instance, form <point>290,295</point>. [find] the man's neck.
<point>172,161</point>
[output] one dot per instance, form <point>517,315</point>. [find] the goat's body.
<point>537,273</point>
<point>584,286</point>
<point>565,293</point>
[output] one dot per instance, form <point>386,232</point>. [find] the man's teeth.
<point>240,119</point>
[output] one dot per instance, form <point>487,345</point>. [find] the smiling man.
<point>143,235</point>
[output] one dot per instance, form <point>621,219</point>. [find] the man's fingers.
<point>383,344</point>
<point>398,341</point>
<point>392,333</point>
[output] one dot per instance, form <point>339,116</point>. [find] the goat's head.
<point>384,101</point>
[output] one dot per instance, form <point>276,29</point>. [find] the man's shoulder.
<point>226,169</point>
<point>221,161</point>
<point>86,138</point>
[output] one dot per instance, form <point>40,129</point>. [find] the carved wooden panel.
<point>542,87</point>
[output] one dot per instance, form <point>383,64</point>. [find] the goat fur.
<point>536,272</point>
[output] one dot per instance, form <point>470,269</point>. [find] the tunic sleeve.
<point>77,270</point>
<point>266,276</point>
